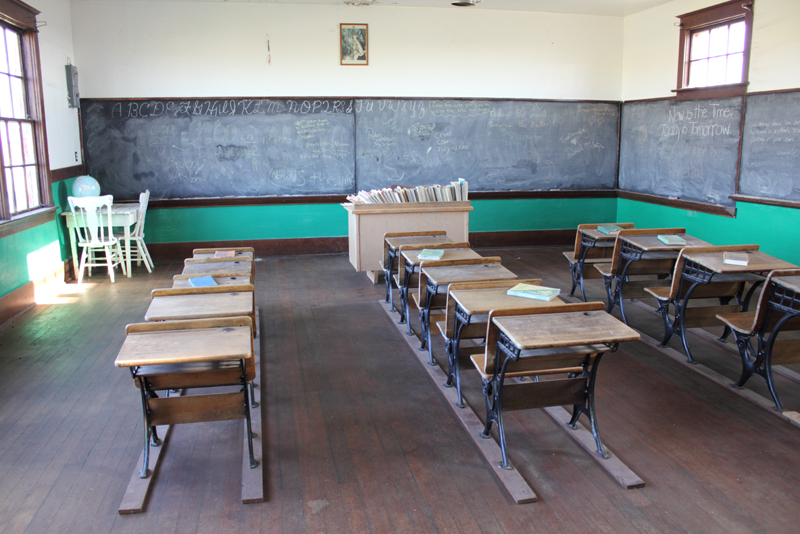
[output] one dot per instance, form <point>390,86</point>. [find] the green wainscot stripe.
<point>540,213</point>
<point>235,223</point>
<point>775,229</point>
<point>29,255</point>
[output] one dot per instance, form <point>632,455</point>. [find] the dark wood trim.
<point>17,301</point>
<point>638,100</point>
<point>767,201</point>
<point>263,247</point>
<point>741,146</point>
<point>65,173</point>
<point>690,205</point>
<point>714,91</point>
<point>18,14</point>
<point>776,91</point>
<point>35,95</point>
<point>525,238</point>
<point>244,201</point>
<point>28,220</point>
<point>553,193</point>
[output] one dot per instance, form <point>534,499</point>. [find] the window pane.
<point>31,179</point>
<point>28,149</point>
<point>734,74</point>
<point>6,109</point>
<point>12,206</point>
<point>3,57</point>
<point>18,98</point>
<point>698,73</point>
<point>718,45</point>
<point>699,45</point>
<point>15,144</point>
<point>14,59</point>
<point>736,38</point>
<point>716,70</point>
<point>20,189</point>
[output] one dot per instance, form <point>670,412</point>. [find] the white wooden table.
<point>123,215</point>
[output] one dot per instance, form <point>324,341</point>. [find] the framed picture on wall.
<point>353,44</point>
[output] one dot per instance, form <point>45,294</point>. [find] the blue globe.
<point>85,186</point>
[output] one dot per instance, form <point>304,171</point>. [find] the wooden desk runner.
<point>217,344</point>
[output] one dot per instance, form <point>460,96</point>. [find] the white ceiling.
<point>612,8</point>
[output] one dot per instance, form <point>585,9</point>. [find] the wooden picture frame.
<point>353,44</point>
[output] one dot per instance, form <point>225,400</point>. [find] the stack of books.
<point>609,229</point>
<point>671,239</point>
<point>530,291</point>
<point>457,191</point>
<point>202,281</point>
<point>736,258</point>
<point>431,254</point>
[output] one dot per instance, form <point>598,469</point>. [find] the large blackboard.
<point>493,144</point>
<point>219,147</point>
<point>687,150</point>
<point>771,150</point>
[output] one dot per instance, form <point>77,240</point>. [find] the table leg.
<point>128,250</point>
<point>74,249</point>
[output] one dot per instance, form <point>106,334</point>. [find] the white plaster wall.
<point>650,49</point>
<point>55,51</point>
<point>141,49</point>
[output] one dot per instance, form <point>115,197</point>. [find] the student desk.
<point>435,278</point>
<point>543,343</point>
<point>659,257</point>
<point>201,303</point>
<point>123,215</point>
<point>590,238</point>
<point>204,266</point>
<point>702,268</point>
<point>205,253</point>
<point>475,305</point>
<point>207,353</point>
<point>393,244</point>
<point>409,262</point>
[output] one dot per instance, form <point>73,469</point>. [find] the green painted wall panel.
<point>775,229</point>
<point>539,214</point>
<point>61,190</point>
<point>25,255</point>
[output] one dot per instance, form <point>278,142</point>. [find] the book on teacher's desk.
<point>224,254</point>
<point>735,258</point>
<point>671,239</point>
<point>530,291</point>
<point>431,254</point>
<point>609,229</point>
<point>202,281</point>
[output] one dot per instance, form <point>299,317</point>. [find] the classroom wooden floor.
<point>358,439</point>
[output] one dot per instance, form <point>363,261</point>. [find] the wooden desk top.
<point>449,274</point>
<point>396,242</point>
<point>597,235</point>
<point>228,267</point>
<point>175,307</point>
<point>651,243</point>
<point>185,346</point>
<point>238,255</point>
<point>550,330</point>
<point>759,262</point>
<point>789,282</point>
<point>412,258</point>
<point>220,280</point>
<point>482,301</point>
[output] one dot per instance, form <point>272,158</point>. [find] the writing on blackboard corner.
<point>673,198</point>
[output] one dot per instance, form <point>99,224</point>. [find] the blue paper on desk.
<point>202,281</point>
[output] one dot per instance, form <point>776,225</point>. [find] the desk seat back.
<point>764,319</point>
<point>595,252</point>
<point>715,289</point>
<point>492,331</point>
<point>615,258</point>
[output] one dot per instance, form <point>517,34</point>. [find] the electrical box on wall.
<point>73,95</point>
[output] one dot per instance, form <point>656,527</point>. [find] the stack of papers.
<point>736,258</point>
<point>530,291</point>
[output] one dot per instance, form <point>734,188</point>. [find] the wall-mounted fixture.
<point>73,95</point>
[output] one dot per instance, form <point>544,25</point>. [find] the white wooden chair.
<point>139,253</point>
<point>93,230</point>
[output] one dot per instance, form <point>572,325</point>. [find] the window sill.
<point>20,223</point>
<point>715,91</point>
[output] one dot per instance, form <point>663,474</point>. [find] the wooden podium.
<point>366,224</point>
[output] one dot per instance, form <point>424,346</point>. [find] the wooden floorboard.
<point>357,439</point>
